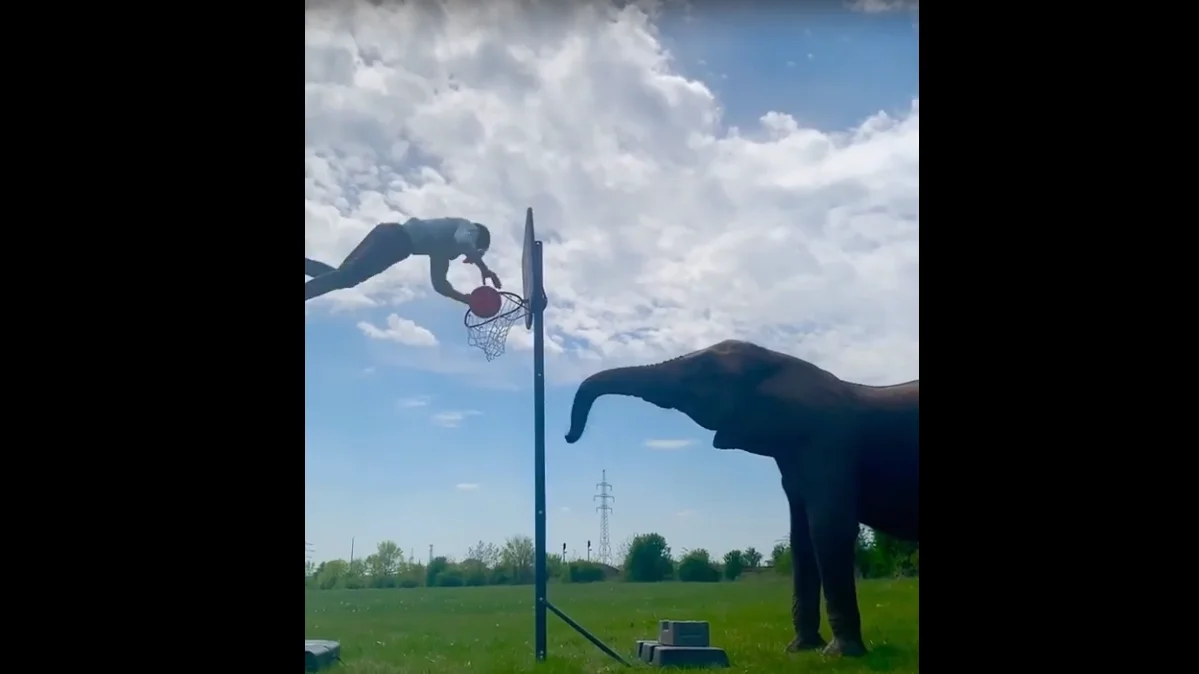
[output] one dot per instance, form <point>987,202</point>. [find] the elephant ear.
<point>755,416</point>
<point>781,405</point>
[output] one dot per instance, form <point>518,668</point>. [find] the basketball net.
<point>491,334</point>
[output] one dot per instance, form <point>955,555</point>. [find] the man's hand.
<point>484,271</point>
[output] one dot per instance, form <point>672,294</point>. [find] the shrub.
<point>697,567</point>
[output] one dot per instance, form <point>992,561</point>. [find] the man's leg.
<point>383,246</point>
<point>326,283</point>
<point>313,268</point>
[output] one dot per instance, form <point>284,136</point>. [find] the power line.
<point>605,546</point>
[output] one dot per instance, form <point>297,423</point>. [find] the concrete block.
<point>684,633</point>
<point>689,656</point>
<point>645,650</point>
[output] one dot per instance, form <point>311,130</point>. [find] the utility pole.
<point>605,546</point>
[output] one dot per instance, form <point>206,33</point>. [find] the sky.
<point>697,172</point>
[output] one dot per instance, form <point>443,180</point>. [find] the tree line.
<point>645,558</point>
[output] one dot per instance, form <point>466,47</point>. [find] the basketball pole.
<point>540,572</point>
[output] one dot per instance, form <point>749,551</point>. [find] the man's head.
<point>484,239</point>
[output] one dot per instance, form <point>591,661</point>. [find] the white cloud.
<point>667,444</point>
<point>665,231</point>
<point>879,6</point>
<point>399,330</point>
<point>412,401</point>
<point>564,509</point>
<point>452,419</point>
<point>467,486</point>
<point>686,514</point>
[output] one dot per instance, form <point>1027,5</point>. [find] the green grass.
<point>490,629</point>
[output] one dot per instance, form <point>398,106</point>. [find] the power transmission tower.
<point>605,546</point>
<point>307,551</point>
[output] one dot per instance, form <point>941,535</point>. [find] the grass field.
<point>490,629</point>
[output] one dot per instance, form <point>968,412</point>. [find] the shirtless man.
<point>442,239</point>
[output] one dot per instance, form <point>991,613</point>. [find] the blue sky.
<point>434,447</point>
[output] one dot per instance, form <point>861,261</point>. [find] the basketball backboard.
<point>526,267</point>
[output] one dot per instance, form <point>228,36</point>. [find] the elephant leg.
<point>805,578</point>
<point>829,488</point>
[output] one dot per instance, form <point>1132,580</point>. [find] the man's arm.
<point>476,258</point>
<point>438,268</point>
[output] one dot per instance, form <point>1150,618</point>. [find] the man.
<point>442,239</point>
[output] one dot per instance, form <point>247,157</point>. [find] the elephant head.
<point>753,397</point>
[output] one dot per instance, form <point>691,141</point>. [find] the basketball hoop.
<point>490,334</point>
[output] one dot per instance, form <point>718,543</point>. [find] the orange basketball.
<point>484,301</point>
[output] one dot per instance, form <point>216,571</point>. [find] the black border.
<point>200,369</point>
<point>994,247</point>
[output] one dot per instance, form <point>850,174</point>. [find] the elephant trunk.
<point>628,381</point>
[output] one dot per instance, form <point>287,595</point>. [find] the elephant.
<point>848,454</point>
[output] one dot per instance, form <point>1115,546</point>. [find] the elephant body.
<point>847,453</point>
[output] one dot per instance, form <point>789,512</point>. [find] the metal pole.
<point>539,570</point>
<point>540,601</point>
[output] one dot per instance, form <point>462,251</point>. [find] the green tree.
<point>481,559</point>
<point>451,577</point>
<point>752,558</point>
<point>412,574</point>
<point>648,559</point>
<point>891,556</point>
<point>474,573</point>
<point>486,553</point>
<point>696,567</point>
<point>555,567</point>
<point>389,556</point>
<point>332,574</point>
<point>780,558</point>
<point>516,558</point>
<point>355,576</point>
<point>580,571</point>
<point>734,564</point>
<point>437,566</point>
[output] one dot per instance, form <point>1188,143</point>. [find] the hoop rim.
<point>517,299</point>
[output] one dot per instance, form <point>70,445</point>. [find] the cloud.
<point>467,486</point>
<point>452,419</point>
<point>564,509</point>
<point>399,330</point>
<point>412,401</point>
<point>880,6</point>
<point>665,229</point>
<point>686,514</point>
<point>667,444</point>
